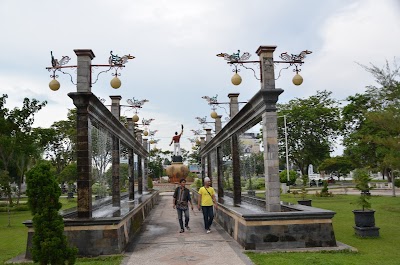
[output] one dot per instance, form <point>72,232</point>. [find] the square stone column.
<point>115,106</point>
<point>220,173</point>
<point>83,154</point>
<point>84,70</point>
<point>146,165</point>
<point>237,189</point>
<point>270,129</point>
<point>233,104</point>
<point>131,169</point>
<point>116,193</point>
<point>140,175</point>
<point>218,124</point>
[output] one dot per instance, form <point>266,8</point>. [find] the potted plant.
<point>303,192</point>
<point>365,217</point>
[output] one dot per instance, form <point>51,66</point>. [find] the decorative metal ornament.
<point>236,60</point>
<point>116,60</point>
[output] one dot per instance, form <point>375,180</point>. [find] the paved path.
<point>160,242</point>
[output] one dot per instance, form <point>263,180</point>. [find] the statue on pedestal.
<point>177,155</point>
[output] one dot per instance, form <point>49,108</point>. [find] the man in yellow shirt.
<point>207,200</point>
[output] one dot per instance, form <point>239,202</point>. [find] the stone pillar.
<point>202,142</point>
<point>146,164</point>
<point>270,130</point>
<point>209,168</point>
<point>131,170</point>
<point>115,106</point>
<point>220,173</point>
<point>140,175</point>
<point>116,194</point>
<point>266,54</point>
<point>237,189</point>
<point>203,163</point>
<point>233,104</point>
<point>208,135</point>
<point>203,169</point>
<point>218,124</point>
<point>84,70</point>
<point>83,155</point>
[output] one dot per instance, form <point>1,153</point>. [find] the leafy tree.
<point>60,140</point>
<point>371,119</point>
<point>17,142</point>
<point>49,244</point>
<point>69,173</point>
<point>313,125</point>
<point>123,175</point>
<point>155,163</point>
<point>339,164</point>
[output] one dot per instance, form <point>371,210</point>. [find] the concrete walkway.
<point>160,242</point>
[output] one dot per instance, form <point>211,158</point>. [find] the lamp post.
<point>268,117</point>
<point>84,78</point>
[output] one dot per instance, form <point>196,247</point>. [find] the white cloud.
<point>175,42</point>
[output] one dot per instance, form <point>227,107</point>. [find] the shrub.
<point>49,244</point>
<point>196,184</point>
<point>292,176</point>
<point>149,182</point>
<point>361,178</point>
<point>304,191</point>
<point>397,183</point>
<point>325,191</point>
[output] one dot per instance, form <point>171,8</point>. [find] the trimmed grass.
<point>13,238</point>
<point>382,250</point>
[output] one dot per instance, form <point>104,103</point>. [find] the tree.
<point>60,141</point>
<point>17,142</point>
<point>371,122</point>
<point>313,125</point>
<point>339,164</point>
<point>49,244</point>
<point>155,163</point>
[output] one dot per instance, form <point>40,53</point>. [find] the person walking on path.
<point>181,203</point>
<point>207,200</point>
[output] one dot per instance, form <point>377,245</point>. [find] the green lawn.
<point>13,238</point>
<point>382,250</point>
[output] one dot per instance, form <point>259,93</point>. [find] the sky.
<point>175,43</point>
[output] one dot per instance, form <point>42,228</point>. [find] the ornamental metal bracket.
<point>116,63</point>
<point>236,60</point>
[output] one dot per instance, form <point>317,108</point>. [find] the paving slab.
<point>159,241</point>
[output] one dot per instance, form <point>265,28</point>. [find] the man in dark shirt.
<point>180,202</point>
